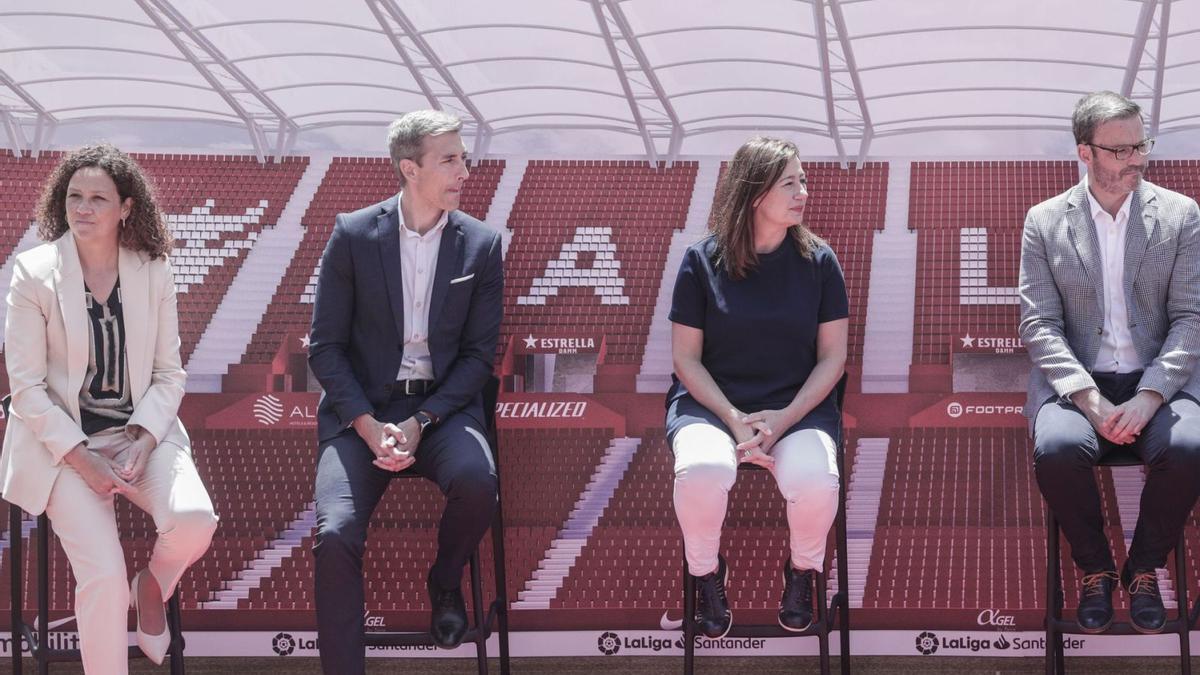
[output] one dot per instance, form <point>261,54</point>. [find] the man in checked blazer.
<point>1110,314</point>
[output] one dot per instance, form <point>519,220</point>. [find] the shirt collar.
<point>1096,209</point>
<point>412,234</point>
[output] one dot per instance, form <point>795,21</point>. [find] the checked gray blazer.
<point>1062,292</point>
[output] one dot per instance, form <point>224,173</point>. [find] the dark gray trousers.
<point>1066,448</point>
<point>455,455</point>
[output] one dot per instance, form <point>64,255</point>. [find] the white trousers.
<point>170,491</point>
<point>706,467</point>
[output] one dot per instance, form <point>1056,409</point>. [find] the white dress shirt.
<point>1117,353</point>
<point>418,262</point>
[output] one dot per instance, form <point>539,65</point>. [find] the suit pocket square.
<point>461,279</point>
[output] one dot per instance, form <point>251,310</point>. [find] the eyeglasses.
<point>1123,152</point>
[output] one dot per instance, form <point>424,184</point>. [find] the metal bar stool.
<point>497,611</point>
<point>836,612</point>
<point>1056,626</point>
<point>40,648</point>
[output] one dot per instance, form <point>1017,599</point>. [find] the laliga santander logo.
<point>955,409</point>
<point>608,643</point>
<point>268,410</point>
<point>283,644</point>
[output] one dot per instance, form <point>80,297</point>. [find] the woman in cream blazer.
<point>103,279</point>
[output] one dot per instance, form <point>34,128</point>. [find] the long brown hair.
<point>752,172</point>
<point>144,230</point>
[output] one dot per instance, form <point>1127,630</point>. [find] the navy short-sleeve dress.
<point>760,333</point>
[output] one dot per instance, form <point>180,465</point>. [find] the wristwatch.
<point>424,419</point>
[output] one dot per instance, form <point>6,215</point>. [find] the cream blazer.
<point>46,336</point>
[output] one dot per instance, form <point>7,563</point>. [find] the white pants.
<point>706,467</point>
<point>170,491</point>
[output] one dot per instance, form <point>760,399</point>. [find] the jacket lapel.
<point>1143,220</point>
<point>1082,232</point>
<point>387,232</point>
<point>450,254</point>
<point>69,288</point>
<point>135,309</point>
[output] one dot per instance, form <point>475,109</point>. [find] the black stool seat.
<point>828,614</point>
<point>497,612</point>
<point>38,638</point>
<point>1057,626</point>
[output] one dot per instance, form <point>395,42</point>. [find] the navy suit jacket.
<point>357,338</point>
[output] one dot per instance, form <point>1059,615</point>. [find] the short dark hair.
<point>144,230</point>
<point>1097,108</point>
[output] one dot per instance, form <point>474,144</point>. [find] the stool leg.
<point>689,620</point>
<point>501,588</point>
<point>477,611</point>
<point>823,622</point>
<point>16,564</point>
<point>43,646</point>
<point>1181,601</point>
<point>1053,594</point>
<point>843,566</point>
<point>175,625</point>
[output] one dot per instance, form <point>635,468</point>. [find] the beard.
<point>1116,181</point>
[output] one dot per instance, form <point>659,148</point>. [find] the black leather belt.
<point>404,388</point>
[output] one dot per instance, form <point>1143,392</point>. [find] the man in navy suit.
<point>404,331</point>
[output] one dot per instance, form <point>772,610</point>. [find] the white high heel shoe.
<point>153,646</point>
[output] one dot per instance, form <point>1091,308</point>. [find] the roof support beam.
<point>1146,68</point>
<point>668,120</point>
<point>216,69</point>
<point>831,121</point>
<point>12,117</point>
<point>430,70</point>
<point>1164,24</point>
<point>841,82</point>
<point>1141,33</point>
<point>619,68</point>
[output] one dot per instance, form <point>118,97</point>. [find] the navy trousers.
<point>1067,447</point>
<point>455,455</point>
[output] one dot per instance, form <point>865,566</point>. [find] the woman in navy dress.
<point>759,325</point>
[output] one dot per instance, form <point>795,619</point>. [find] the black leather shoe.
<point>1095,612</point>
<point>448,621</point>
<point>796,607</point>
<point>1145,601</point>
<point>713,618</point>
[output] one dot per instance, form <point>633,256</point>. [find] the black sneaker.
<point>1145,601</point>
<point>796,607</point>
<point>1095,613</point>
<point>713,618</point>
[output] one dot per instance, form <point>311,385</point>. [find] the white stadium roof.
<point>852,79</point>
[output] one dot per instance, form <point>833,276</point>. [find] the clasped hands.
<point>1122,423</point>
<point>107,476</point>
<point>394,445</point>
<point>756,433</point>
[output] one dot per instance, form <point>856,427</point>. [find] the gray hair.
<point>1097,108</point>
<point>407,134</point>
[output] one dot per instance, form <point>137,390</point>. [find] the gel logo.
<point>993,617</point>
<point>268,410</point>
<point>608,643</point>
<point>283,644</point>
<point>955,409</point>
<point>927,643</point>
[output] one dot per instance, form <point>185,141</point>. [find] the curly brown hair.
<point>144,230</point>
<point>754,169</point>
